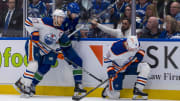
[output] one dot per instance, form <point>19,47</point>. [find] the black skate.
<point>104,94</point>
<point>19,86</point>
<point>32,90</point>
<point>28,91</point>
<point>78,91</point>
<point>25,91</point>
<point>137,92</point>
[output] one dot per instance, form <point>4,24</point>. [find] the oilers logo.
<point>50,38</point>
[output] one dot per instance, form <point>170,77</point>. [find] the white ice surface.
<point>59,98</point>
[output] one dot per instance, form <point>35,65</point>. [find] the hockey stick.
<point>71,62</point>
<point>81,97</point>
<point>75,31</point>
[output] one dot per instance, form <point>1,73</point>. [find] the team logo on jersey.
<point>50,38</point>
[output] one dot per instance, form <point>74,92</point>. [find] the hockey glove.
<point>61,56</point>
<point>111,72</point>
<point>35,36</point>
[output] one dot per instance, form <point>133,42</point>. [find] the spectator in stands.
<point>127,13</point>
<point>99,6</point>
<point>151,30</point>
<point>150,11</point>
<point>172,29</point>
<point>37,9</point>
<point>116,11</point>
<point>49,5</point>
<point>3,6</point>
<point>175,11</point>
<point>141,8</point>
<point>11,21</point>
<point>123,32</point>
<point>159,5</point>
<point>119,7</point>
<point>168,6</point>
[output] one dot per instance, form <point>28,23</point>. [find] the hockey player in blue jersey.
<point>69,26</point>
<point>70,22</point>
<point>125,58</point>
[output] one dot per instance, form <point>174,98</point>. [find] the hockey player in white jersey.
<point>40,58</point>
<point>125,58</point>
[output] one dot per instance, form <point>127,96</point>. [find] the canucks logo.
<point>50,38</point>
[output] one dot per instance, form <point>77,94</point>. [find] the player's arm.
<point>32,30</point>
<point>113,70</point>
<point>107,29</point>
<point>139,55</point>
<point>32,25</point>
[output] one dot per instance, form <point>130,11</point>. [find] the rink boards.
<point>163,55</point>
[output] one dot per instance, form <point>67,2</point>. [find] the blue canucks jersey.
<point>38,10</point>
<point>141,10</point>
<point>69,24</point>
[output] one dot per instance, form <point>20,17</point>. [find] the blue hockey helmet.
<point>73,8</point>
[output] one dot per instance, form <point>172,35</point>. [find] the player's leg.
<point>143,69</point>
<point>112,90</point>
<point>76,62</point>
<point>24,83</point>
<point>44,66</point>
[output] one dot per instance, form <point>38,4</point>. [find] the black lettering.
<point>153,56</point>
<point>168,57</point>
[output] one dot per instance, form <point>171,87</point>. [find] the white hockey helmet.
<point>132,42</point>
<point>59,12</point>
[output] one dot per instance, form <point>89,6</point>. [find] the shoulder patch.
<point>35,20</point>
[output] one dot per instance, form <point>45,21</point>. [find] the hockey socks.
<point>77,73</point>
<point>37,78</point>
<point>138,88</point>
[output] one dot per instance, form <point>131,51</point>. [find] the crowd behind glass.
<point>154,18</point>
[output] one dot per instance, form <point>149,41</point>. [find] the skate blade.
<point>25,96</point>
<point>76,98</point>
<point>138,97</point>
<point>17,89</point>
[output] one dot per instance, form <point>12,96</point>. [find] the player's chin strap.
<point>60,52</point>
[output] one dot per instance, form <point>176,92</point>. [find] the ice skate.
<point>78,91</point>
<point>139,95</point>
<point>26,92</point>
<point>114,95</point>
<point>18,86</point>
<point>104,92</point>
<point>32,90</point>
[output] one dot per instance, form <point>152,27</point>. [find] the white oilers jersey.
<point>48,34</point>
<point>120,54</point>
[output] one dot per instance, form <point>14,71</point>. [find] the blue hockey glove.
<point>111,72</point>
<point>58,49</point>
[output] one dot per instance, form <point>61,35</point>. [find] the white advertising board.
<point>162,55</point>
